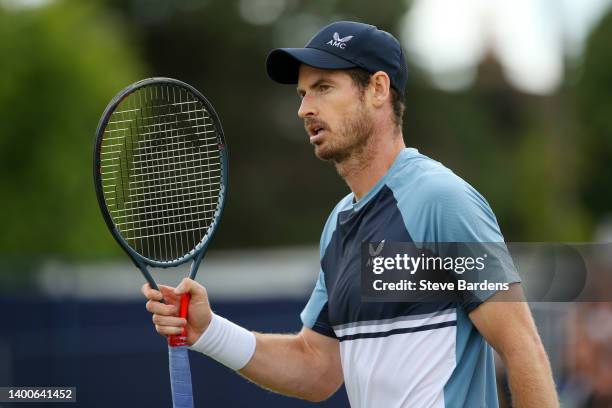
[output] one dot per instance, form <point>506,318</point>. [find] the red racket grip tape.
<point>176,340</point>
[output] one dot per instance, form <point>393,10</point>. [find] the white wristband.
<point>226,342</point>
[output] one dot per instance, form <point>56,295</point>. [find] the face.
<point>334,112</point>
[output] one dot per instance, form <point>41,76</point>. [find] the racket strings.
<point>161,171</point>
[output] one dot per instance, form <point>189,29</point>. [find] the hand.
<point>165,315</point>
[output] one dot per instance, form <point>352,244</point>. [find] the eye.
<point>324,87</point>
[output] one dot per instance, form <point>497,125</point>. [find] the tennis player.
<point>351,79</point>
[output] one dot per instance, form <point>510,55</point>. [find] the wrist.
<point>226,342</point>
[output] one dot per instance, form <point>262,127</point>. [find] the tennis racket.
<point>160,173</point>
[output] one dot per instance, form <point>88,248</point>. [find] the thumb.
<point>192,287</point>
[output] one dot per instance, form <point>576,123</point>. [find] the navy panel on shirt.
<point>379,219</point>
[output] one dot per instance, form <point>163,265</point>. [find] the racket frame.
<point>197,253</point>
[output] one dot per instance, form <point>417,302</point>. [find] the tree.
<point>61,63</point>
<point>595,112</point>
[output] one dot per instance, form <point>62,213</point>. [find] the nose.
<point>307,107</point>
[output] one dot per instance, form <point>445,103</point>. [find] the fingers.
<point>151,293</point>
<point>168,330</point>
<point>162,309</point>
<point>169,321</point>
<point>197,291</point>
<point>155,297</point>
<point>165,315</point>
<point>168,325</point>
<point>165,293</point>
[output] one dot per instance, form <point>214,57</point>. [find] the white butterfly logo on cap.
<point>339,42</point>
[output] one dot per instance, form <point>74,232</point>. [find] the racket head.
<point>161,171</point>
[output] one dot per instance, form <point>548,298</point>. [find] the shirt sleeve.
<point>459,214</point>
<point>442,208</point>
<point>315,315</point>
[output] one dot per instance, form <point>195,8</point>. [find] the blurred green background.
<point>541,159</point>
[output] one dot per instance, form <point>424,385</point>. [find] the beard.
<point>350,139</point>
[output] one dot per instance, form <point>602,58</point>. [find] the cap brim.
<point>283,64</point>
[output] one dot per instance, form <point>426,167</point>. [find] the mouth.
<point>315,131</point>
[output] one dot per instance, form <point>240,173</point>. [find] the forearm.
<point>305,365</point>
<point>530,376</point>
<point>289,365</point>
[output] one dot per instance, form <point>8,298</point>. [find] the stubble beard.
<point>349,146</point>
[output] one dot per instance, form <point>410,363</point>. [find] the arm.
<point>509,328</point>
<point>304,365</point>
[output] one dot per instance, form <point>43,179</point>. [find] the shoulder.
<point>330,225</point>
<point>422,180</point>
<point>438,205</point>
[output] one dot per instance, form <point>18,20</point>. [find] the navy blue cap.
<point>343,45</point>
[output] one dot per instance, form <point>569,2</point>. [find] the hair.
<point>361,78</point>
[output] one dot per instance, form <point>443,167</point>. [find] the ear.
<point>380,86</point>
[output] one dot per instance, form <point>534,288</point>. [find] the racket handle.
<point>177,340</point>
<point>180,377</point>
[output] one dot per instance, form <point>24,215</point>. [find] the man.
<point>351,80</point>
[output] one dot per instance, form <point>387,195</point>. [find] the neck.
<point>362,170</point>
